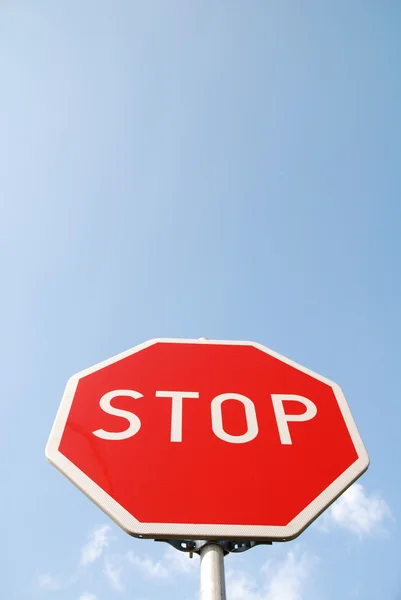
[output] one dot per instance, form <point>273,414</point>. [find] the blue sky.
<point>187,169</point>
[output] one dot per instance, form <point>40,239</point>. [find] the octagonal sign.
<point>203,439</point>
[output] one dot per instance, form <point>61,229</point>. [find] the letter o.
<point>250,415</point>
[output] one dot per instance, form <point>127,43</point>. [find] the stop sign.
<point>204,439</point>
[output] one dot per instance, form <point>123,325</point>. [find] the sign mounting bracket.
<point>229,546</point>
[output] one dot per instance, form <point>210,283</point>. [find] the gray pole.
<point>212,581</point>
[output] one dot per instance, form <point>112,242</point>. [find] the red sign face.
<point>204,439</point>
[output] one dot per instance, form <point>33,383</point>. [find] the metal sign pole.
<point>212,580</point>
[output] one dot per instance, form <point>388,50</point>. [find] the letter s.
<point>134,422</point>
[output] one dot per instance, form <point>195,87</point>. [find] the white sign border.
<point>202,531</point>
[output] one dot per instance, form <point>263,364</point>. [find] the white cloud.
<point>98,541</point>
<point>241,586</point>
<point>149,568</point>
<point>113,573</point>
<point>172,561</point>
<point>288,578</point>
<point>87,596</point>
<point>282,580</point>
<point>49,582</point>
<point>358,512</point>
<point>180,562</point>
